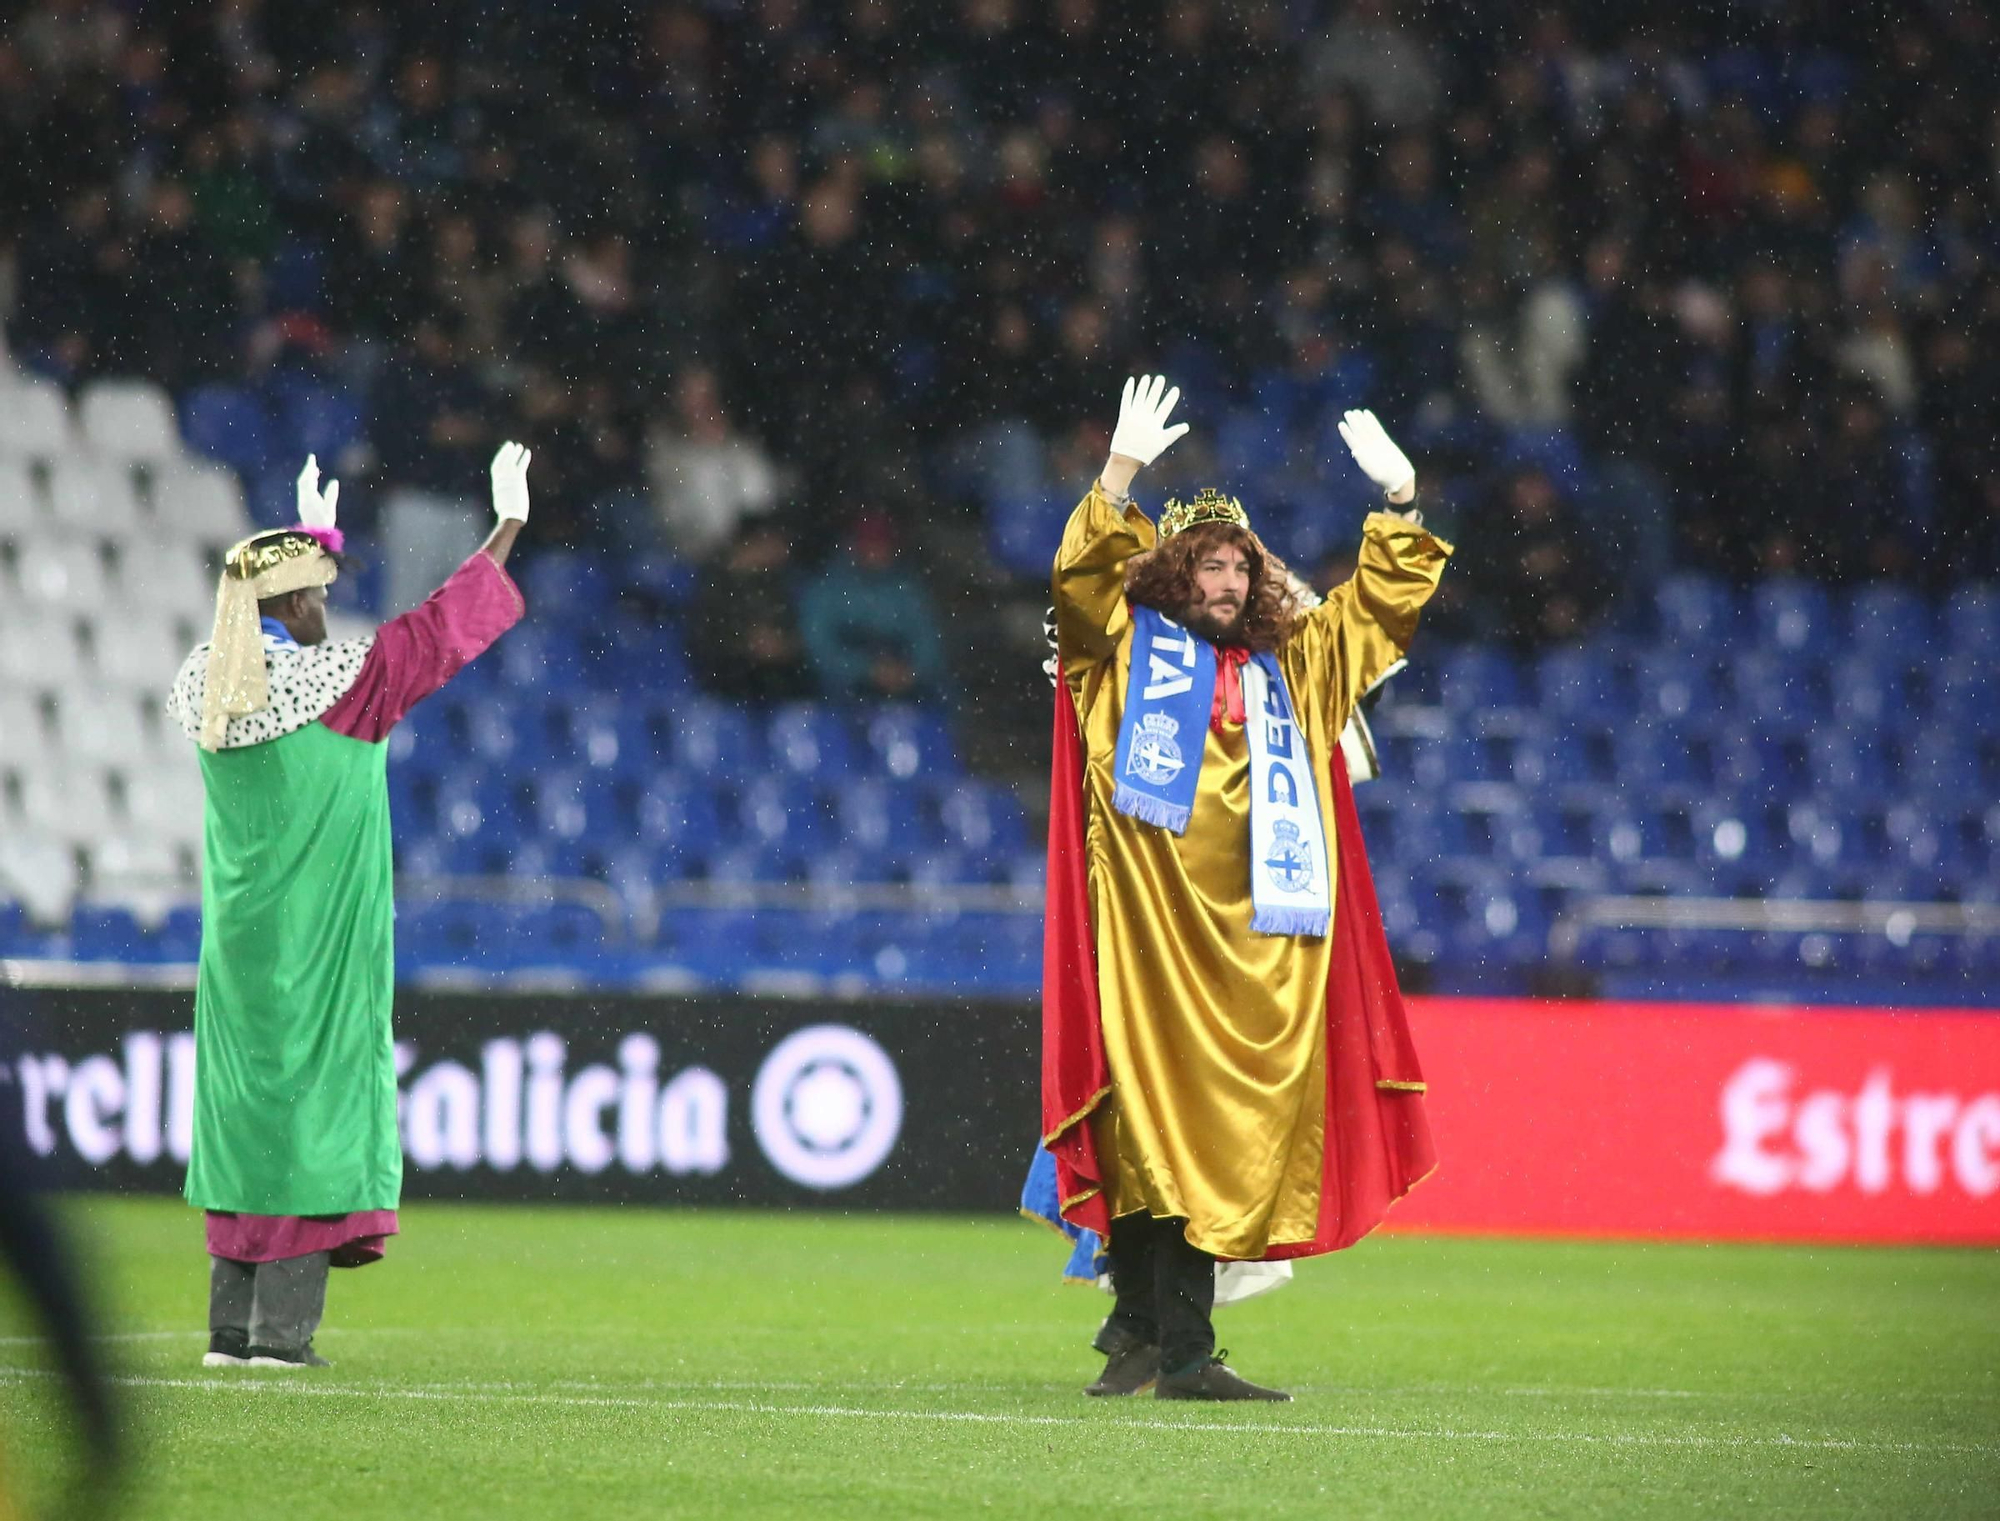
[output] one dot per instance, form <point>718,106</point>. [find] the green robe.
<point>295,1076</point>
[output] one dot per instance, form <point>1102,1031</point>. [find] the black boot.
<point>1132,1362</point>
<point>227,1348</point>
<point>1212,1380</point>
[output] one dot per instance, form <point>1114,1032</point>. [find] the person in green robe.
<point>296,1157</point>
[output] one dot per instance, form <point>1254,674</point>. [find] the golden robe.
<point>1215,1036</point>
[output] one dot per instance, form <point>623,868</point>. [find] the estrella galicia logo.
<point>827,1106</point>
<point>1156,759</point>
<point>1290,863</point>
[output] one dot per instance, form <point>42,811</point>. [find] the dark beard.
<point>1216,630</point>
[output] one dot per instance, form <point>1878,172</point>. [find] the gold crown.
<point>1208,506</point>
<point>251,557</point>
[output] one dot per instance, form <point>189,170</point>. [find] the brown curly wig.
<point>1163,579</point>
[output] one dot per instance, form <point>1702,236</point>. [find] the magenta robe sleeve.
<point>419,652</point>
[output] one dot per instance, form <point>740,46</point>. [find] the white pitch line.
<point>254,1385</point>
<point>35,1341</point>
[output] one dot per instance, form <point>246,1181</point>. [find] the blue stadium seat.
<point>553,932</point>
<point>601,732</point>
<point>1877,697</point>
<point>1493,830</point>
<point>1564,833</point>
<point>1968,701</point>
<point>658,575</point>
<point>541,657</point>
<point>450,931</point>
<point>1432,761</point>
<point>682,815</point>
<point>1890,623</point>
<point>1581,760</point>
<point>910,742</point>
<point>413,794</point>
<point>994,950</point>
<point>566,584</point>
<point>807,740</point>
<point>1553,451</point>
<point>489,854</point>
<point>983,818</point>
<point>951,866</point>
<point>1850,765</point>
<point>1582,682</point>
<point>1661,760</point>
<point>472,804</point>
<point>491,732</point>
<point>846,864</point>
<point>1791,614</point>
<point>1940,766</point>
<point>1247,442</point>
<point>1762,760</point>
<point>1971,624</point>
<point>1695,613</point>
<point>883,818</point>
<point>1779,691</point>
<point>271,494</point>
<point>228,423</point>
<point>1677,684</point>
<point>1024,533</point>
<point>104,932</point>
<point>783,815</point>
<point>576,804</point>
<point>742,865</point>
<point>314,417</point>
<point>1477,677</point>
<point>709,738</point>
<point>649,659</point>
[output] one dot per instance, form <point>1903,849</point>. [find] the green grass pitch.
<point>610,1363</point>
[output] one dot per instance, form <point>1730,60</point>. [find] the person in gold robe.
<point>1218,1129</point>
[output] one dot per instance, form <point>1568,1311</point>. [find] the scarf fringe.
<point>1148,809</point>
<point>1290,921</point>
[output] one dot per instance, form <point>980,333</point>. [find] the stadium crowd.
<point>758,257</point>
<point>813,313</point>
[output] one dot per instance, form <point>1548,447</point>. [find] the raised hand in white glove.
<point>1379,458</point>
<point>316,507</point>
<point>510,482</point>
<point>1142,432</point>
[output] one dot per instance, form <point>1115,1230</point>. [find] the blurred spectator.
<point>1388,64</point>
<point>869,627</point>
<point>1536,573</point>
<point>706,476</point>
<point>891,230</point>
<point>434,421</point>
<point>742,630</point>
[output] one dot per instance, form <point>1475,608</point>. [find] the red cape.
<point>1378,1142</point>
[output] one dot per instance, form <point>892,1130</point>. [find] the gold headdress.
<point>263,565</point>
<point>1208,506</point>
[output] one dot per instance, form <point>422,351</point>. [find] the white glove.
<point>1376,453</point>
<point>510,483</point>
<point>316,507</point>
<point>1142,432</point>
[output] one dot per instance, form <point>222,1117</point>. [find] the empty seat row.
<point>694,735</point>
<point>114,419</point>
<point>71,576</point>
<point>92,496</point>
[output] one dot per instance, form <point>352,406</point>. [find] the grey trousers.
<point>276,1304</point>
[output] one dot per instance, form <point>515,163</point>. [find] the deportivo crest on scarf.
<point>1169,691</point>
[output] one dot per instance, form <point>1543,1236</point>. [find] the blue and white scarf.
<point>1168,696</point>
